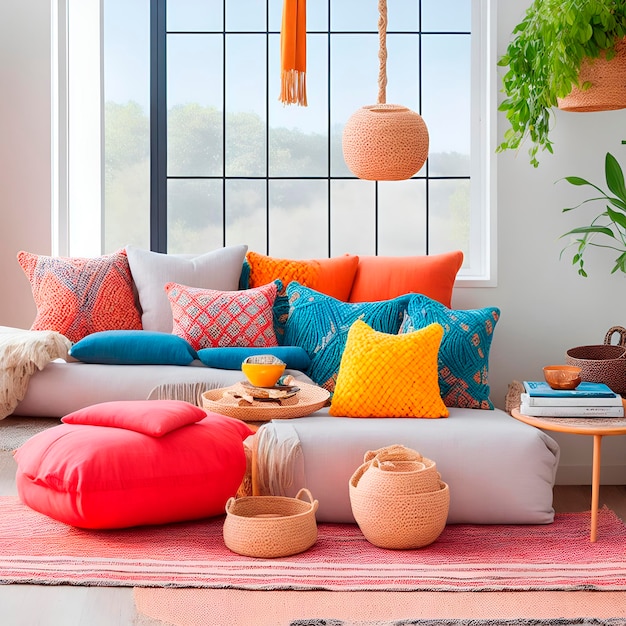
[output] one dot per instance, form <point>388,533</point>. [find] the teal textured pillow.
<point>464,350</point>
<point>133,347</point>
<point>320,324</point>
<point>294,357</point>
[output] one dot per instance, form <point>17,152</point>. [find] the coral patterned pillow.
<point>79,296</point>
<point>464,352</point>
<point>208,318</point>
<point>384,375</point>
<point>332,276</point>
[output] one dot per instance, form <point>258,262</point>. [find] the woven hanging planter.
<point>608,84</point>
<point>385,141</point>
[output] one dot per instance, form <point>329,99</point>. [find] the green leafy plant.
<point>609,226</point>
<point>544,60</point>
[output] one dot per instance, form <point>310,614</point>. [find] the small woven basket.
<point>399,509</point>
<point>602,363</point>
<point>270,526</point>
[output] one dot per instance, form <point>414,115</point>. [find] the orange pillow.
<point>386,277</point>
<point>332,277</point>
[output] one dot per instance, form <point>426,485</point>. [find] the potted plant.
<point>544,59</point>
<point>608,228</point>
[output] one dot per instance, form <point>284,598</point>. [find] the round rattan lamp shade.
<point>385,142</point>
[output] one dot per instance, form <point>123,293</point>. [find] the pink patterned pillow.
<point>80,296</point>
<point>208,318</point>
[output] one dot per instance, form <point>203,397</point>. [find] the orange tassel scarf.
<point>293,53</point>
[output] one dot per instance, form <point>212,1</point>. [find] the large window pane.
<point>193,15</point>
<point>298,225</point>
<point>449,215</point>
<point>299,135</point>
<point>126,212</point>
<point>402,218</point>
<point>195,222</point>
<point>246,215</point>
<point>449,16</point>
<point>245,15</point>
<point>245,106</point>
<point>353,217</point>
<point>194,97</point>
<point>446,102</point>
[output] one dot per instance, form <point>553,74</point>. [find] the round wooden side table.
<point>597,427</point>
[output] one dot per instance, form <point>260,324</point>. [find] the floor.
<point>33,605</point>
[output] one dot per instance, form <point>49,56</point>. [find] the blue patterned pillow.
<point>464,350</point>
<point>320,324</point>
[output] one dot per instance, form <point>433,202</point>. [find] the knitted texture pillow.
<point>332,276</point>
<point>384,277</point>
<point>464,352</point>
<point>208,318</point>
<point>79,296</point>
<point>384,375</point>
<point>320,324</point>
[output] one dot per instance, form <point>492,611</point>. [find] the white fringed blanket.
<point>22,352</point>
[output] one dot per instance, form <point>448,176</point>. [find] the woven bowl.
<point>398,477</point>
<point>270,526</point>
<point>401,522</point>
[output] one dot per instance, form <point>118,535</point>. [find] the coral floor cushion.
<point>109,477</point>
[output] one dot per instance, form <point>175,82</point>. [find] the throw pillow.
<point>133,347</point>
<point>150,417</point>
<point>464,352</point>
<point>208,318</point>
<point>219,269</point>
<point>294,357</point>
<point>332,276</point>
<point>79,296</point>
<point>384,375</point>
<point>384,277</point>
<point>96,477</point>
<point>320,324</point>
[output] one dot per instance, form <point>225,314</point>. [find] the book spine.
<point>573,402</point>
<point>566,411</point>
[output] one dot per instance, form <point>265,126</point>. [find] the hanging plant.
<point>544,60</point>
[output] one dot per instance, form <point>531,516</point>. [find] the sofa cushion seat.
<point>109,477</point>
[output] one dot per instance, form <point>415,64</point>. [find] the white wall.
<point>546,307</point>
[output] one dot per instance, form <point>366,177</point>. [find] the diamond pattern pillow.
<point>208,318</point>
<point>79,296</point>
<point>464,352</point>
<point>383,375</point>
<point>320,325</point>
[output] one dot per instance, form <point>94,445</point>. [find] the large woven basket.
<point>607,90</point>
<point>603,363</point>
<point>270,526</point>
<point>403,515</point>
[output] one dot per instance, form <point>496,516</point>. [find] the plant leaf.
<point>604,230</point>
<point>615,177</point>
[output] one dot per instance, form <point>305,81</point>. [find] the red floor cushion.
<point>115,477</point>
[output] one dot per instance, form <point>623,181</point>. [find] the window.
<point>231,164</point>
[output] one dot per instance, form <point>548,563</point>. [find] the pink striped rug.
<point>37,549</point>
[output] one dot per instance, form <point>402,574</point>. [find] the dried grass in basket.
<point>270,526</point>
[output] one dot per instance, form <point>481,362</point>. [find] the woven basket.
<point>399,509</point>
<point>608,86</point>
<point>399,470</point>
<point>270,526</point>
<point>604,363</point>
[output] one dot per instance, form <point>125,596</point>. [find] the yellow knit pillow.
<point>385,375</point>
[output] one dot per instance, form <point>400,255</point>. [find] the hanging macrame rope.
<point>382,51</point>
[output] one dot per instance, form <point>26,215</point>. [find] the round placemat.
<point>310,399</point>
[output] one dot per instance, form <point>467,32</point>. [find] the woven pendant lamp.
<point>385,141</point>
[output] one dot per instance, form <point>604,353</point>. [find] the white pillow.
<point>219,269</point>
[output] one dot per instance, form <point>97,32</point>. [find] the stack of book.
<point>587,400</point>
